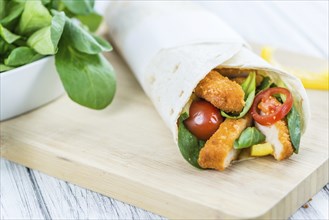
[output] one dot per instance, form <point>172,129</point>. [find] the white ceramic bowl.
<point>28,87</point>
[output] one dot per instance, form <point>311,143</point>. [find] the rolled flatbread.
<point>171,47</point>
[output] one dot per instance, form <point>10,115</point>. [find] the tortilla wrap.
<point>172,46</point>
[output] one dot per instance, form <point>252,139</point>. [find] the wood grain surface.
<point>114,151</point>
<point>27,193</point>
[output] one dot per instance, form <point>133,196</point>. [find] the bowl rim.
<point>18,69</point>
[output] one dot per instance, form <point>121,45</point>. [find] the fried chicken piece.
<point>218,151</point>
<point>239,80</point>
<point>221,92</point>
<point>278,135</point>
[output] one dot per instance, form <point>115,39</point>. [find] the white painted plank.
<point>68,201</point>
<point>58,197</point>
<point>19,198</point>
<point>317,208</point>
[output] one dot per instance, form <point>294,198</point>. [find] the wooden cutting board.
<point>126,152</point>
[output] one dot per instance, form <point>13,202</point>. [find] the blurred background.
<point>299,26</point>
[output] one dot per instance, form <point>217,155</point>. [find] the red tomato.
<point>269,105</point>
<point>272,110</point>
<point>204,119</point>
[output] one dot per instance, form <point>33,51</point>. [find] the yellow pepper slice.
<point>259,150</point>
<point>310,80</point>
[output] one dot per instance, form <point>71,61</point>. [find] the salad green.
<point>31,30</point>
<point>294,127</point>
<point>188,144</point>
<point>250,136</point>
<point>249,88</point>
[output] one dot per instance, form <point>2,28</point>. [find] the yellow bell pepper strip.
<point>259,150</point>
<point>310,80</point>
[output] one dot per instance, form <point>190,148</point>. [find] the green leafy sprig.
<point>31,30</point>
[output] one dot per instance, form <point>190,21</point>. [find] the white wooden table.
<point>300,26</point>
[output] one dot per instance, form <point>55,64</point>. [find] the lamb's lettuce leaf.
<point>92,20</point>
<point>81,7</point>
<point>29,30</point>
<point>249,88</point>
<point>294,126</point>
<point>5,48</point>
<point>188,144</point>
<point>45,40</point>
<point>294,123</point>
<point>34,17</point>
<point>87,78</point>
<point>7,35</point>
<point>21,55</point>
<point>4,67</point>
<point>10,12</point>
<point>83,41</point>
<point>265,84</point>
<point>250,136</point>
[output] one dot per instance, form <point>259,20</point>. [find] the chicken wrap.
<point>220,100</point>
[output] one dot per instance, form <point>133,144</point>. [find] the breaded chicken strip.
<point>278,135</point>
<point>218,151</point>
<point>221,92</point>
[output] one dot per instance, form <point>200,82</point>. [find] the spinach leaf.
<point>21,55</point>
<point>188,144</point>
<point>250,136</point>
<point>294,123</point>
<point>4,68</point>
<point>34,17</point>
<point>88,79</point>
<point>45,2</point>
<point>294,127</point>
<point>92,20</point>
<point>8,36</point>
<point>12,10</point>
<point>103,43</point>
<point>81,7</point>
<point>5,48</point>
<point>3,9</point>
<point>31,29</point>
<point>266,83</point>
<point>45,40</point>
<point>249,87</point>
<point>82,40</point>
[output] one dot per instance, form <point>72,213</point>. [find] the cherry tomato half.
<point>276,111</point>
<point>204,119</point>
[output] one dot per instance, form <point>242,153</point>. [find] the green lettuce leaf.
<point>10,12</point>
<point>249,88</point>
<point>92,20</point>
<point>250,136</point>
<point>294,123</point>
<point>34,17</point>
<point>81,7</point>
<point>82,40</point>
<point>45,40</point>
<point>88,79</point>
<point>5,48</point>
<point>294,127</point>
<point>4,68</point>
<point>21,55</point>
<point>8,36</point>
<point>265,84</point>
<point>188,144</point>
